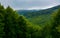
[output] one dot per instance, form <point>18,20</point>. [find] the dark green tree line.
<point>55,30</point>
<point>13,25</point>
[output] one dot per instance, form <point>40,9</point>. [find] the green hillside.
<point>14,25</point>
<point>38,17</point>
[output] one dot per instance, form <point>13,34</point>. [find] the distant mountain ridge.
<point>37,12</point>
<point>38,17</point>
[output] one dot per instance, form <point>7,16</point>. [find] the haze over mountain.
<point>30,4</point>
<point>38,12</point>
<point>30,19</point>
<point>39,17</point>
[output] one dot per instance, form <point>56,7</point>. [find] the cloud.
<point>29,4</point>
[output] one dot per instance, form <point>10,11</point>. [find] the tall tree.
<point>2,14</point>
<point>55,33</point>
<point>10,23</point>
<point>22,24</point>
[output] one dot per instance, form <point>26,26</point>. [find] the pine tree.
<point>22,24</point>
<point>2,13</point>
<point>55,33</point>
<point>10,23</point>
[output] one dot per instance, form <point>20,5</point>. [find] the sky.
<point>30,4</point>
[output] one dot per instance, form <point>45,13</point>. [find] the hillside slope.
<point>39,16</point>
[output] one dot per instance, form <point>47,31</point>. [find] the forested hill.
<point>39,17</point>
<point>37,12</point>
<point>13,25</point>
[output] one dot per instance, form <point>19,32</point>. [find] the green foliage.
<point>56,24</point>
<point>2,13</point>
<point>13,25</point>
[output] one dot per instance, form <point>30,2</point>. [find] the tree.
<point>10,23</point>
<point>2,14</point>
<point>22,26</point>
<point>55,33</point>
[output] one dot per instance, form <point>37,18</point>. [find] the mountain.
<point>37,12</point>
<point>38,16</point>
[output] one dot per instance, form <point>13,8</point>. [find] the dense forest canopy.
<point>39,17</point>
<point>13,25</point>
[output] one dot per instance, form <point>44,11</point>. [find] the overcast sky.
<point>30,4</point>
